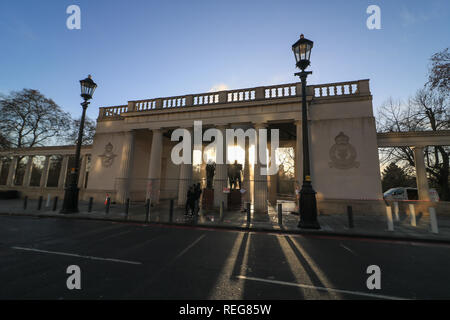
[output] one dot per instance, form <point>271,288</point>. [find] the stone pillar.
<point>126,165</point>
<point>28,168</point>
<point>12,171</point>
<point>185,174</point>
<point>221,174</point>
<point>203,174</point>
<point>154,168</point>
<point>189,100</point>
<point>44,175</point>
<point>260,184</point>
<point>82,174</point>
<point>63,172</point>
<point>272,180</point>
<point>421,174</point>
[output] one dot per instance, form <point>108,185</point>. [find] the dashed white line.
<point>305,286</point>
<point>187,248</point>
<point>75,255</point>
<point>348,249</point>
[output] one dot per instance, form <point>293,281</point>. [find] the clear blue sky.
<point>140,49</point>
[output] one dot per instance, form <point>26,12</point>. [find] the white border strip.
<point>75,255</point>
<point>357,293</point>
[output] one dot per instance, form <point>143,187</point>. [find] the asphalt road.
<point>133,261</point>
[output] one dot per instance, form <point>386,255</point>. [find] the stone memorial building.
<point>131,153</point>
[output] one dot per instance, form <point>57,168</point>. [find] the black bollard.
<point>280,214</point>
<point>171,211</point>
<point>25,202</point>
<point>55,203</point>
<point>91,202</point>
<point>248,214</point>
<point>108,204</point>
<point>127,207</point>
<point>147,210</point>
<point>350,217</point>
<point>221,212</point>
<point>40,203</point>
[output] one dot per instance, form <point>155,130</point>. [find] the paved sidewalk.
<point>364,225</point>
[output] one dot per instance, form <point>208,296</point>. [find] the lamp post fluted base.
<point>70,204</point>
<point>308,208</point>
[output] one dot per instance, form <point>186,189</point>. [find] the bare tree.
<point>439,73</point>
<point>28,119</point>
<point>88,132</point>
<point>286,160</point>
<point>428,110</point>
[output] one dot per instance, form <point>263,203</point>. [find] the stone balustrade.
<point>111,112</point>
<point>283,91</point>
<point>341,89</point>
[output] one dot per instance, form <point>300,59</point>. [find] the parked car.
<point>408,194</point>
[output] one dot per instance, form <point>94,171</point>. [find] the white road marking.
<point>75,255</point>
<point>187,248</point>
<point>357,293</point>
<point>348,249</point>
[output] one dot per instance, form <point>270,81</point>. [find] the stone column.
<point>421,174</point>
<point>28,168</point>
<point>260,184</point>
<point>126,165</point>
<point>154,168</point>
<point>82,172</point>
<point>44,175</point>
<point>185,174</point>
<point>221,174</point>
<point>203,174</point>
<point>272,180</point>
<point>63,172</point>
<point>12,171</point>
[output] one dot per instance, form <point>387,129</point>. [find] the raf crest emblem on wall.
<point>108,156</point>
<point>343,154</point>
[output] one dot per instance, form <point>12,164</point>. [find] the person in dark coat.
<point>190,201</point>
<point>197,193</point>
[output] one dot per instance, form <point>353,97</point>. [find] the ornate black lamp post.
<point>70,204</point>
<point>308,205</point>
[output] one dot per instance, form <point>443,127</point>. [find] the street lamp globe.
<point>87,88</point>
<point>302,52</point>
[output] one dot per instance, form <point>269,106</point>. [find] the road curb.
<point>311,233</point>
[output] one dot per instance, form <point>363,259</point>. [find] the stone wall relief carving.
<point>342,153</point>
<point>108,156</point>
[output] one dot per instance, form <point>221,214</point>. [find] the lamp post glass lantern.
<point>87,88</point>
<point>302,52</point>
<point>308,204</point>
<point>70,204</point>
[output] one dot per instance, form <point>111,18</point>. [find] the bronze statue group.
<point>194,192</point>
<point>234,174</point>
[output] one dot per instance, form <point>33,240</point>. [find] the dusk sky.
<point>147,49</point>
